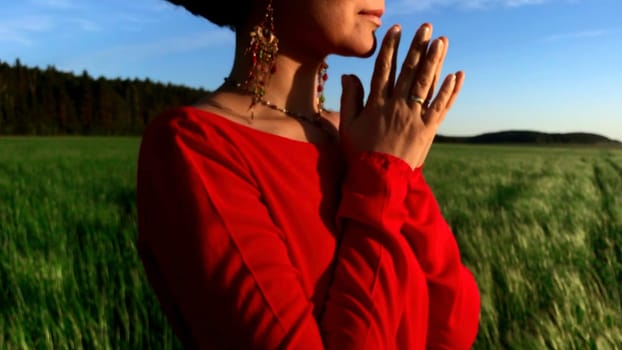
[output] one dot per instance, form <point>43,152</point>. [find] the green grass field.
<point>541,228</point>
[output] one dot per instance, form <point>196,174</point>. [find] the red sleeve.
<point>221,268</point>
<point>454,297</point>
<point>373,266</point>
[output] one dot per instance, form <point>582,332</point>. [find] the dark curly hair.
<point>224,13</point>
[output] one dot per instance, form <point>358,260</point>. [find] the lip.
<point>373,16</point>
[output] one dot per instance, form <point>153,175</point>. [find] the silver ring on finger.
<point>417,99</point>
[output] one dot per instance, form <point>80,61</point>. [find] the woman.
<point>267,222</point>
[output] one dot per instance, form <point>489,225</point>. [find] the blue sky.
<point>547,65</point>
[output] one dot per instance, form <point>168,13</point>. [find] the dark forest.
<point>35,101</point>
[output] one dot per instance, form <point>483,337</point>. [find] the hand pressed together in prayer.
<point>400,117</point>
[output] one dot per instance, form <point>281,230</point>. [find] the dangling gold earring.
<point>263,48</point>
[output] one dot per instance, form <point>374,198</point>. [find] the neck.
<point>294,84</point>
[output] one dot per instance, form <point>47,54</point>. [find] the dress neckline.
<point>264,134</point>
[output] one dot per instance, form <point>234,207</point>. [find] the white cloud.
<point>135,21</point>
<point>30,23</point>
<point>86,25</point>
<point>10,36</point>
<point>141,51</point>
<point>162,6</point>
<point>57,4</point>
<point>410,6</point>
<point>20,30</point>
<point>25,30</point>
<point>577,35</point>
<point>517,3</point>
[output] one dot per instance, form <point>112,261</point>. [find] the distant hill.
<point>531,138</point>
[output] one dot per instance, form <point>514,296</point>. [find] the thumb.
<point>351,99</point>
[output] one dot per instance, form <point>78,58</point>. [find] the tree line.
<point>35,101</point>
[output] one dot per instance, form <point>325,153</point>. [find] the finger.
<point>384,71</point>
<point>351,99</point>
<point>425,75</point>
<point>437,110</point>
<point>390,86</point>
<point>416,51</point>
<point>460,76</point>
<point>439,69</point>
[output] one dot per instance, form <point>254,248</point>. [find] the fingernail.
<point>425,31</point>
<point>396,30</point>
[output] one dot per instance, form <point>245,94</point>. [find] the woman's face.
<point>322,27</point>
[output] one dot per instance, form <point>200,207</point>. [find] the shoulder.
<point>185,143</point>
<point>186,124</point>
<point>185,131</point>
<point>174,121</point>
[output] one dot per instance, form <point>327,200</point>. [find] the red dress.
<point>255,241</point>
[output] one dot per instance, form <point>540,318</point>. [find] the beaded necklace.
<point>315,118</point>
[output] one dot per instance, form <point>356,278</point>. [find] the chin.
<point>360,48</point>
